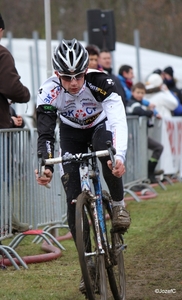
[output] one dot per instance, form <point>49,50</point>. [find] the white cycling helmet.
<point>70,56</point>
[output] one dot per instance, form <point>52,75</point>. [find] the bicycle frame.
<point>83,160</point>
<point>104,248</point>
<point>97,203</point>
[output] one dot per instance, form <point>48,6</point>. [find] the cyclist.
<point>89,110</point>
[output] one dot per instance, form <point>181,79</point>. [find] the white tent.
<point>124,54</point>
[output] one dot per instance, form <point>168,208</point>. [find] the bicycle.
<point>100,249</point>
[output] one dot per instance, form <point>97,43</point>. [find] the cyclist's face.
<point>73,83</point>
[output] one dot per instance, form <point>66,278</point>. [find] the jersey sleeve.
<point>46,124</point>
<point>101,85</point>
<point>104,90</point>
<point>115,112</point>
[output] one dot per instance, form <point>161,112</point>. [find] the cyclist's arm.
<point>119,168</point>
<point>45,179</point>
<point>46,120</point>
<point>46,123</point>
<point>113,107</point>
<point>115,112</point>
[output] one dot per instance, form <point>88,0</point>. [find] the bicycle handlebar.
<point>78,157</point>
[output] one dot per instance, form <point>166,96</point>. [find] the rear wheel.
<point>92,262</point>
<point>116,270</point>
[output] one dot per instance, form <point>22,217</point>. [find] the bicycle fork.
<point>101,217</point>
<point>85,186</point>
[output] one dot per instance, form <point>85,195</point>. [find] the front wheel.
<point>116,270</point>
<point>92,262</point>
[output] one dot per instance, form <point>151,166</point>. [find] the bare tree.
<point>159,22</point>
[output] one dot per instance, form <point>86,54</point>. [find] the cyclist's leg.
<point>116,272</point>
<point>121,218</point>
<point>72,141</point>
<point>99,138</point>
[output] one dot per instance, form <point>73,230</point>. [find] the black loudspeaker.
<point>101,28</point>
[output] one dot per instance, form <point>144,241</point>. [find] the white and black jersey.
<point>95,102</point>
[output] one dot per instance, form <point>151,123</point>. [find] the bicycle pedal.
<point>124,247</point>
<point>120,230</point>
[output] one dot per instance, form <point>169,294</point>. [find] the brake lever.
<point>112,152</point>
<point>41,167</point>
<point>40,164</point>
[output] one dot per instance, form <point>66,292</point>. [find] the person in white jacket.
<point>159,95</point>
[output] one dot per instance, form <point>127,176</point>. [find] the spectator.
<point>135,106</point>
<point>159,72</point>
<point>16,120</point>
<point>14,90</point>
<point>105,60</point>
<point>170,82</point>
<point>93,52</point>
<point>125,77</point>
<point>158,94</point>
<point>10,88</point>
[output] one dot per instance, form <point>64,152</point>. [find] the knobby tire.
<point>116,272</point>
<point>93,269</point>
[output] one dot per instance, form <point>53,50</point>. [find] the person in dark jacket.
<point>105,60</point>
<point>125,77</point>
<point>137,106</point>
<point>11,89</point>
<point>11,86</point>
<point>16,120</point>
<point>170,81</point>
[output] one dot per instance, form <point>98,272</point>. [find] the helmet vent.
<point>70,56</point>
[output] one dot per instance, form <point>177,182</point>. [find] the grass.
<point>153,259</point>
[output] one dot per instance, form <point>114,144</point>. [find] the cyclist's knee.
<point>65,180</point>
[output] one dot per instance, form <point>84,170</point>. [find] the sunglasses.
<point>69,78</point>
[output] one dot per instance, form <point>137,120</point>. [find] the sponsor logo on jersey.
<point>49,107</point>
<point>87,102</point>
<point>70,105</point>
<point>70,101</point>
<point>80,113</point>
<point>97,89</point>
<point>110,81</point>
<point>83,122</point>
<point>90,104</point>
<point>52,95</point>
<point>114,137</point>
<point>48,147</point>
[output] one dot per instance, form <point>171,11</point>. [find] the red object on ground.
<point>53,251</point>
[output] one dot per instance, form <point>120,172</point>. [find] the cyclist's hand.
<point>119,168</point>
<point>44,180</point>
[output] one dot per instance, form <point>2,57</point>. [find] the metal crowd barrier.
<point>39,206</point>
<point>137,152</point>
<point>19,192</point>
<point>49,203</point>
<point>15,182</point>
